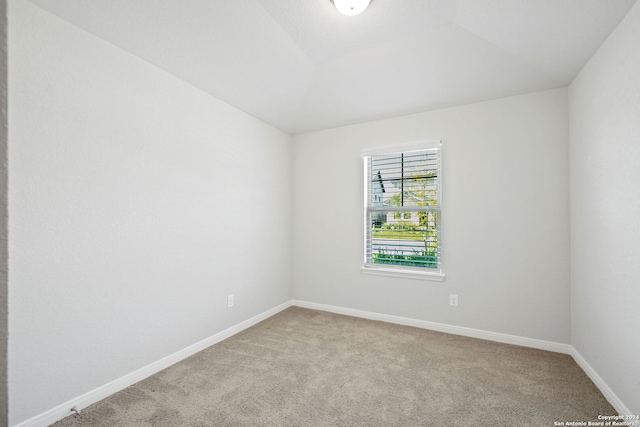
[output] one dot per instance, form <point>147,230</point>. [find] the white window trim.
<point>401,272</point>
<point>385,270</point>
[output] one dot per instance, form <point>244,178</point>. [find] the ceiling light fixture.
<point>351,7</point>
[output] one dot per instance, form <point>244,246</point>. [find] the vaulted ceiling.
<point>302,66</point>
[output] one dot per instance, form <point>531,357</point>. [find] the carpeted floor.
<point>310,368</point>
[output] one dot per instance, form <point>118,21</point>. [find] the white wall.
<point>3,215</point>
<point>605,211</point>
<point>505,217</point>
<point>137,204</point>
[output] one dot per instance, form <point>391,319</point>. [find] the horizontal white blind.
<point>402,212</point>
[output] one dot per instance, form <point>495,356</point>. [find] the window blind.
<point>402,209</point>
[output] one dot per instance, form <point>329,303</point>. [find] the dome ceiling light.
<point>351,7</point>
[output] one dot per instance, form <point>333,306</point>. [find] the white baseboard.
<point>441,327</point>
<point>61,411</point>
<point>602,386</point>
<point>51,416</point>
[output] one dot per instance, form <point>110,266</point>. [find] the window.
<point>403,211</point>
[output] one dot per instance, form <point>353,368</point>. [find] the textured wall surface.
<point>605,211</point>
<point>3,212</point>
<point>504,219</point>
<point>137,204</point>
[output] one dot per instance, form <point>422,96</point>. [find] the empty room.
<point>320,213</point>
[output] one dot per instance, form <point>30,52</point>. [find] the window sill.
<point>408,274</point>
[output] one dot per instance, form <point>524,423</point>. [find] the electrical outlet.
<point>230,301</point>
<point>453,300</point>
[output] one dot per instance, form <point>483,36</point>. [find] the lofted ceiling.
<point>302,66</point>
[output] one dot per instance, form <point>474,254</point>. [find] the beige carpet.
<point>310,368</point>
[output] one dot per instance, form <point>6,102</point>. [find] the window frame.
<point>423,273</point>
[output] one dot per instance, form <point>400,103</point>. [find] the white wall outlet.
<point>453,300</point>
<point>230,301</point>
